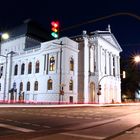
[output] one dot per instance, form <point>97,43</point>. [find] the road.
<point>77,123</point>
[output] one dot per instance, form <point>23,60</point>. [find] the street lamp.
<point>137,58</point>
<point>3,36</point>
<point>5,77</point>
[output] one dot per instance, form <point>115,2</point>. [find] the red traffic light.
<point>55,24</point>
<point>55,29</point>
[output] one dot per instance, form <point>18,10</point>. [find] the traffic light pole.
<point>99,87</point>
<point>61,90</point>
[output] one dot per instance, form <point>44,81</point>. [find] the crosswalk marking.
<point>21,129</point>
<point>83,136</point>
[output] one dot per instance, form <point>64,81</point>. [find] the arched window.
<point>30,68</point>
<point>21,86</point>
<point>36,85</point>
<point>28,86</point>
<point>1,71</point>
<point>52,64</point>
<point>71,64</point>
<point>71,85</point>
<point>22,68</point>
<point>50,83</point>
<point>37,67</point>
<point>16,70</point>
<point>0,86</point>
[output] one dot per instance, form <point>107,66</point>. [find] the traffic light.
<point>100,87</point>
<point>55,29</point>
<point>99,90</point>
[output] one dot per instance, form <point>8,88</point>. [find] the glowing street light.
<point>137,58</point>
<point>4,36</point>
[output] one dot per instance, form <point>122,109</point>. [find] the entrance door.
<point>92,93</point>
<point>21,96</point>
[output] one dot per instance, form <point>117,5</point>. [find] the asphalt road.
<point>67,123</point>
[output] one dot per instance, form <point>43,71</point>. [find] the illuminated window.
<point>21,86</point>
<point>37,67</point>
<point>30,68</point>
<point>22,68</point>
<point>16,70</point>
<point>52,64</point>
<point>71,64</point>
<point>50,82</point>
<point>36,85</point>
<point>28,86</point>
<point>71,85</point>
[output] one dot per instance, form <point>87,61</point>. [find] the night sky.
<point>72,12</point>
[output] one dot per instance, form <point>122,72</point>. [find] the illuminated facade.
<point>35,72</point>
<point>99,67</point>
<point>61,70</point>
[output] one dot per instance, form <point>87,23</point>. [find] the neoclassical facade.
<point>63,70</point>
<point>99,67</point>
<point>39,74</point>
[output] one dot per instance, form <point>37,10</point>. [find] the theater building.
<point>80,69</point>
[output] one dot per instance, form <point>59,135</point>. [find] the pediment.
<point>112,40</point>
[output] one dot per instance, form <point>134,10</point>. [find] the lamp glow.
<point>5,36</point>
<point>137,59</point>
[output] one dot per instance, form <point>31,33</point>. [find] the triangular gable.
<point>112,40</point>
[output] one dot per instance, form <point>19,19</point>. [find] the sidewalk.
<point>65,105</point>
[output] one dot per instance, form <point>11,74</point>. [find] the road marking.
<point>16,128</point>
<point>53,115</point>
<point>8,120</point>
<point>35,124</point>
<point>79,117</point>
<point>17,122</point>
<point>70,116</point>
<point>61,116</point>
<point>26,123</point>
<point>47,126</point>
<point>84,136</point>
<point>88,118</point>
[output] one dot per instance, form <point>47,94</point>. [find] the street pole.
<point>60,71</point>
<point>61,90</point>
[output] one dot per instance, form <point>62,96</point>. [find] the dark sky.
<point>71,12</point>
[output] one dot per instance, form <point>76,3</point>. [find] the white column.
<point>116,69</point>
<point>99,58</point>
<point>26,67</point>
<point>111,64</point>
<point>105,61</point>
<point>8,77</point>
<point>86,70</point>
<point>118,65</point>
<point>33,65</point>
